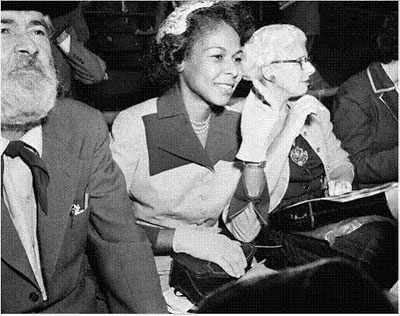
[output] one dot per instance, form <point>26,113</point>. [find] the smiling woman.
<point>211,72</point>
<point>177,151</point>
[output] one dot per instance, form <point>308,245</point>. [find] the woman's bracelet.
<point>251,164</point>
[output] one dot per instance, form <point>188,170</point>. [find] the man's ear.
<point>267,73</point>
<point>49,26</point>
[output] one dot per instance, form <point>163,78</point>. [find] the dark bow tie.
<point>38,168</point>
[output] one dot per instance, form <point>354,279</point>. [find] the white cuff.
<point>65,45</point>
<point>251,152</point>
<point>245,226</point>
<point>178,241</point>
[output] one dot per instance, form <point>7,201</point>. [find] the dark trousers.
<point>373,248</point>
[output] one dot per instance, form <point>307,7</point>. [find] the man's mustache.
<point>29,62</point>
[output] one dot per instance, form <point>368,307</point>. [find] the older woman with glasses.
<point>288,141</point>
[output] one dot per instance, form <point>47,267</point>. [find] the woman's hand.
<point>256,123</point>
<point>267,95</point>
<point>299,110</point>
<point>213,247</point>
<point>338,187</point>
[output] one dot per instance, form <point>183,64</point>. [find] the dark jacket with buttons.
<point>77,155</point>
<point>79,64</point>
<point>365,117</point>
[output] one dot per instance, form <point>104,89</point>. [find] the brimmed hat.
<point>176,22</point>
<point>51,8</point>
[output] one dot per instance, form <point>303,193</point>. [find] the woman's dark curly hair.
<point>171,51</point>
<point>386,40</point>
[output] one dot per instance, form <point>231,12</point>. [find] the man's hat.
<point>51,8</point>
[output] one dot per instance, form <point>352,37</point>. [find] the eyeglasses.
<point>301,61</point>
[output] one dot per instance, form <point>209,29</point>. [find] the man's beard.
<point>29,91</point>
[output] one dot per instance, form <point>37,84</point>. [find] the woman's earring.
<point>179,68</point>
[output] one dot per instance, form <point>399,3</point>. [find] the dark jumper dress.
<point>369,247</point>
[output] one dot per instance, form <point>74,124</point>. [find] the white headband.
<point>176,22</point>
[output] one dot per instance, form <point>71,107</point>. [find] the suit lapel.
<point>12,250</point>
<point>64,173</point>
<point>171,141</point>
<point>384,88</point>
<point>311,133</point>
<point>176,136</point>
<point>391,99</point>
<point>222,138</point>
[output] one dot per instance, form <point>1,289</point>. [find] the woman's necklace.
<point>201,127</point>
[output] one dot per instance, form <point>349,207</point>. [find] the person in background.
<point>64,203</point>
<point>72,59</point>
<point>177,151</point>
<point>305,15</point>
<point>366,113</point>
<point>288,140</point>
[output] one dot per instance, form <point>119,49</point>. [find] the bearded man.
<point>64,201</point>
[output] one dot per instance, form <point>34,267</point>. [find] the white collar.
<point>374,88</point>
<point>33,138</point>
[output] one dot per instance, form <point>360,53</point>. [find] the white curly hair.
<point>266,44</point>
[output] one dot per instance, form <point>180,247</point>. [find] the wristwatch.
<point>251,164</point>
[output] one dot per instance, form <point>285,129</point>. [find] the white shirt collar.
<point>33,138</point>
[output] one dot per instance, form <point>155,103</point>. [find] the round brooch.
<point>299,156</point>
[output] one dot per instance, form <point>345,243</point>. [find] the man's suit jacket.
<point>76,152</point>
<point>365,119</point>
<point>80,64</point>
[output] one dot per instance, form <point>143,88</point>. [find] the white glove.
<point>338,187</point>
<point>257,122</point>
<point>245,226</point>
<point>213,247</point>
<point>299,111</point>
